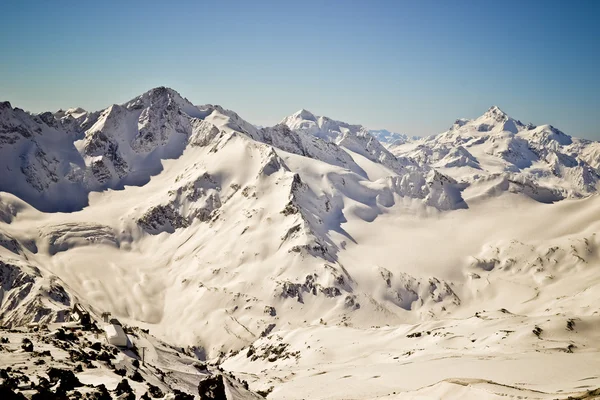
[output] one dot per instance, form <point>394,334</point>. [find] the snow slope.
<point>306,258</point>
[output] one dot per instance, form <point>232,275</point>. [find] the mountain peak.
<point>153,95</point>
<point>160,92</point>
<point>495,112</point>
<point>305,114</point>
<point>162,95</point>
<point>76,110</point>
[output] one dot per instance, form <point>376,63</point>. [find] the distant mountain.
<point>352,137</point>
<point>391,138</point>
<point>502,153</point>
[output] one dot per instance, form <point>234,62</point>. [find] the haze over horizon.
<point>406,67</point>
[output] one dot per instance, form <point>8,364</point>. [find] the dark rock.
<point>43,382</point>
<point>179,395</point>
<point>137,377</point>
<point>60,334</point>
<point>6,393</point>
<point>27,345</point>
<point>59,294</point>
<point>101,393</point>
<point>155,391</point>
<point>45,394</point>
<point>10,382</point>
<point>96,346</point>
<point>105,356</point>
<point>212,388</point>
<point>77,356</point>
<point>124,388</point>
<point>265,393</point>
<point>270,311</point>
<point>200,366</point>
<point>68,380</point>
<point>267,330</point>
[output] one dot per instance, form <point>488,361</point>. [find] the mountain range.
<point>315,249</point>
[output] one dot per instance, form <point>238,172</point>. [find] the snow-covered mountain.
<point>496,153</point>
<point>305,254</point>
<point>388,138</point>
<point>355,138</point>
<point>59,158</point>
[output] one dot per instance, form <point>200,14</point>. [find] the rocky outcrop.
<point>197,199</point>
<point>410,293</point>
<point>25,296</point>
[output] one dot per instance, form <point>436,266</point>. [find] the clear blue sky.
<point>408,66</point>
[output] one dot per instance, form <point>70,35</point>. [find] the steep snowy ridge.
<point>353,137</point>
<point>28,297</point>
<point>282,137</point>
<point>136,137</point>
<point>40,160</point>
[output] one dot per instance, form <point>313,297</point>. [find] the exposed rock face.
<point>107,163</point>
<point>24,296</point>
<point>16,125</point>
<point>331,283</point>
<point>161,117</point>
<point>203,133</point>
<point>15,285</point>
<point>410,293</point>
<point>40,170</point>
<point>10,243</point>
<point>162,219</point>
<point>196,200</point>
<point>282,137</point>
